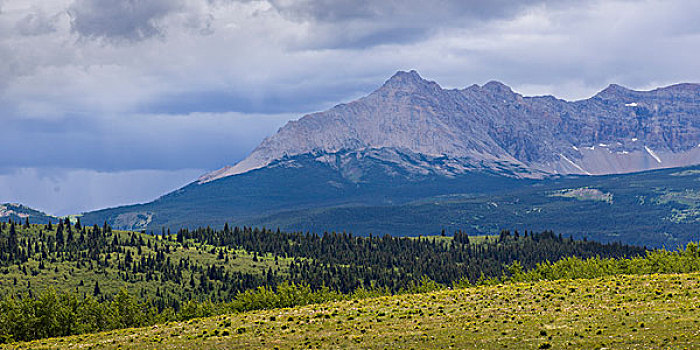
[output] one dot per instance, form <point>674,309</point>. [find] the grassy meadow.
<point>618,312</point>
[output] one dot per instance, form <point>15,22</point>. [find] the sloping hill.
<point>294,183</point>
<point>20,213</point>
<point>622,312</point>
<point>654,208</point>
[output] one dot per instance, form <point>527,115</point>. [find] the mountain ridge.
<point>633,130</point>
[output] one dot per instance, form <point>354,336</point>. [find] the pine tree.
<point>96,291</point>
<point>59,234</point>
<point>13,242</point>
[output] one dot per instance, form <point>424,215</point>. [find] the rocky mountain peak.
<point>618,130</point>
<point>497,87</point>
<point>409,81</point>
<point>613,91</point>
<point>406,77</point>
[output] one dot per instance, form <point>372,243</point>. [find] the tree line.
<point>344,262</point>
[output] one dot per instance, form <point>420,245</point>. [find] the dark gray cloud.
<point>121,20</point>
<point>433,12</point>
<point>366,23</point>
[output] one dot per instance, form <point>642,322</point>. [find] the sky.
<point>106,102</point>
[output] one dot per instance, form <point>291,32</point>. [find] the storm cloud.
<point>97,87</point>
<point>125,19</point>
<point>427,14</point>
<point>367,23</point>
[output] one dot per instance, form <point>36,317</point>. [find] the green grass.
<point>688,198</point>
<point>584,193</point>
<point>687,173</point>
<point>620,312</point>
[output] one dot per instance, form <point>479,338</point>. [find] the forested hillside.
<point>655,208</point>
<point>210,264</point>
<point>163,274</point>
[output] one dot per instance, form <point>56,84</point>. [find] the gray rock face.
<point>616,131</point>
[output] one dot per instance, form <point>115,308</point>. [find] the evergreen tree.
<point>59,234</point>
<point>96,291</point>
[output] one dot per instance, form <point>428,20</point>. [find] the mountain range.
<point>411,144</point>
<point>616,131</point>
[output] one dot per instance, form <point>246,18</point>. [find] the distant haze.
<point>115,102</point>
<point>70,191</point>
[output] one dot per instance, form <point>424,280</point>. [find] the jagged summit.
<point>612,91</point>
<point>406,76</point>
<point>408,81</point>
<point>491,127</point>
